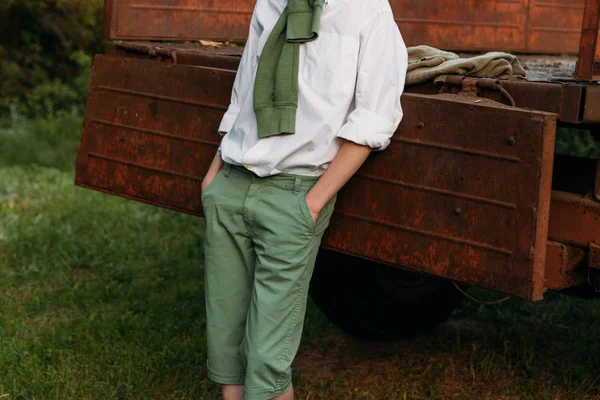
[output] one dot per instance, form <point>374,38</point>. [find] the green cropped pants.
<point>260,246</point>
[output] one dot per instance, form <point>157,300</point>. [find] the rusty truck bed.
<point>470,188</point>
<point>151,134</point>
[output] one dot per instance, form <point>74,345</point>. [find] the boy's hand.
<point>213,170</point>
<point>345,163</point>
<point>314,207</point>
<point>207,180</point>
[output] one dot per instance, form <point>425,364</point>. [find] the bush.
<point>576,142</point>
<point>55,96</point>
<point>45,51</point>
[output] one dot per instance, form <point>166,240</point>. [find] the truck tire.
<point>372,301</point>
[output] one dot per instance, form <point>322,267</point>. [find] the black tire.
<point>372,301</point>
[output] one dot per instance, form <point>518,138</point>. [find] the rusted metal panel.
<point>150,130</point>
<point>554,25</point>
<point>466,195</point>
<point>181,19</point>
<point>561,266</point>
<point>463,24</point>
<point>537,26</point>
<point>574,219</point>
<point>108,15</point>
<point>588,65</point>
<point>468,180</point>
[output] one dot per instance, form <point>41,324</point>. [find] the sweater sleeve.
<point>382,65</point>
<point>243,77</point>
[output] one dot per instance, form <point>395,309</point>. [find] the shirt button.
<point>248,166</point>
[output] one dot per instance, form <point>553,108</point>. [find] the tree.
<point>42,41</point>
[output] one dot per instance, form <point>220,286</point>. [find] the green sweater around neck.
<point>276,85</point>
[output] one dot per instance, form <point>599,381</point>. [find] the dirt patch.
<point>463,360</point>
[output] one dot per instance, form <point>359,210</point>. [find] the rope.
<point>489,303</point>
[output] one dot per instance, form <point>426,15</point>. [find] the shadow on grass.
<point>516,350</point>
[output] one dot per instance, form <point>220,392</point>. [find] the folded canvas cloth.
<point>427,63</point>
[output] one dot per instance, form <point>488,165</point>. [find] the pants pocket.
<point>306,213</point>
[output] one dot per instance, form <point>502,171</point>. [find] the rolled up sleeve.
<point>243,77</point>
<point>382,65</point>
<point>229,118</point>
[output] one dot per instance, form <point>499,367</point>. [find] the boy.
<point>318,88</point>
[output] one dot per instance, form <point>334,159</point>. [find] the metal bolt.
<point>420,125</point>
<point>511,140</point>
<point>458,211</point>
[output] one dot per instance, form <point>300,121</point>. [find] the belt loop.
<point>227,168</point>
<point>297,183</point>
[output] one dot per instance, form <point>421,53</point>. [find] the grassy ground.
<point>101,298</point>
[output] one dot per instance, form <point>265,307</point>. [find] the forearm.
<point>344,165</point>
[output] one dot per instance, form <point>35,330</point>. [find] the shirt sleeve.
<point>243,77</point>
<point>382,65</point>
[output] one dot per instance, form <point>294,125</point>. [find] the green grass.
<point>48,142</point>
<point>102,298</point>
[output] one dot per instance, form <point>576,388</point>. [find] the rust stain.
<point>588,65</point>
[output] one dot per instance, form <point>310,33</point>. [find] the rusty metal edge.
<point>179,57</point>
<point>597,181</point>
<point>572,103</point>
<point>543,212</point>
<point>588,44</point>
<point>136,198</point>
<point>108,16</point>
<point>166,38</point>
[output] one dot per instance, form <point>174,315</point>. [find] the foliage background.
<point>46,48</point>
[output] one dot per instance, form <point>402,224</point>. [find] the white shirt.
<point>350,82</point>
